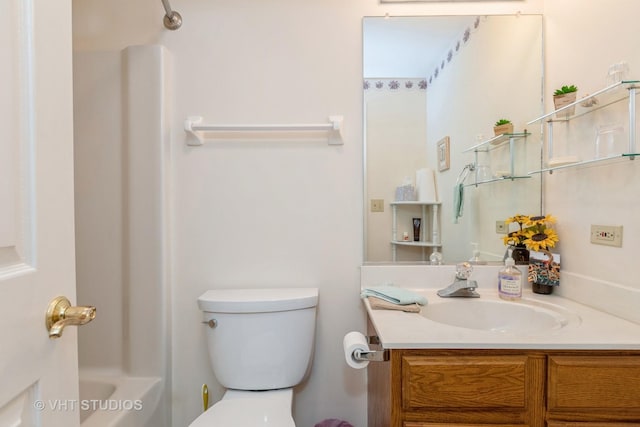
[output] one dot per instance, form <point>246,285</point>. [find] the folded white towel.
<point>380,304</point>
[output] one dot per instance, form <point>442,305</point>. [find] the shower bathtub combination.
<point>116,400</point>
<point>121,228</point>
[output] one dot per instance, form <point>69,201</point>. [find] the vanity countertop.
<point>583,326</point>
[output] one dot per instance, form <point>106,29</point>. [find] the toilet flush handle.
<point>212,323</point>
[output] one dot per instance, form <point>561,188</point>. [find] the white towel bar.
<point>195,130</point>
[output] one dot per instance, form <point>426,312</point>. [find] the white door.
<point>38,375</point>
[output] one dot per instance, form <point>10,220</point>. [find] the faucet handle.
<point>463,270</point>
<point>61,313</point>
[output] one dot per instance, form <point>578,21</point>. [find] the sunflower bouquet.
<point>534,232</point>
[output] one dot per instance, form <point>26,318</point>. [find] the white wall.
<point>264,214</point>
<point>579,50</point>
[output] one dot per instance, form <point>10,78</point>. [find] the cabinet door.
<point>469,382</point>
<point>583,388</point>
<point>478,388</point>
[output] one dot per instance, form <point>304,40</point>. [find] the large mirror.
<point>433,89</point>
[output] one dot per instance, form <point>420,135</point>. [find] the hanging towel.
<point>458,191</point>
<point>458,202</point>
<point>394,295</point>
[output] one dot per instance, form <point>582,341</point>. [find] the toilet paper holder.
<point>371,355</point>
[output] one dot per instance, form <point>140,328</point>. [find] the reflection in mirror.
<point>433,82</point>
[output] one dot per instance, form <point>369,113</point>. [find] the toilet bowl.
<point>260,345</point>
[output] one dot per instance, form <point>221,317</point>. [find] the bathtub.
<point>117,400</point>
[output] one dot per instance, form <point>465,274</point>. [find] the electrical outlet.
<point>501,227</point>
<point>377,205</point>
<point>609,235</point>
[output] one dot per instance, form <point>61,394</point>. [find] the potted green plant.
<point>502,126</point>
<point>565,96</point>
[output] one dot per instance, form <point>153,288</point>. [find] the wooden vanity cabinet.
<point>506,388</point>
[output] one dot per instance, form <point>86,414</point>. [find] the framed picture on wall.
<point>443,154</point>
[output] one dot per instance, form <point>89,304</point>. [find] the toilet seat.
<point>248,412</point>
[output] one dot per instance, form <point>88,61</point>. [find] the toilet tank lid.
<point>257,300</point>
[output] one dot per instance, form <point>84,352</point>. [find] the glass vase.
<point>520,255</point>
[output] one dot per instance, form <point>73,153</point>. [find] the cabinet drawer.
<point>602,384</point>
<point>587,424</point>
<point>466,382</point>
<point>418,424</point>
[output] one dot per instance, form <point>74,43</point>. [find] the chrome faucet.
<point>461,286</point>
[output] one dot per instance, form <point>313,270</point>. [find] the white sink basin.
<point>495,315</point>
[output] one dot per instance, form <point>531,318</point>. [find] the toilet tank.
<point>263,339</point>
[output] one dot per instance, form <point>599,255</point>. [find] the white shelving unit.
<point>492,144</point>
<point>605,97</point>
<point>429,211</point>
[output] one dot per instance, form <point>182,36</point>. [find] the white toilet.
<point>260,346</point>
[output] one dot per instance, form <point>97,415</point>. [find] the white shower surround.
<point>121,156</point>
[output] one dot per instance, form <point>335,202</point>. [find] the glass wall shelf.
<point>497,141</point>
<point>498,179</point>
<point>607,96</point>
<point>630,156</point>
<point>626,89</point>
<point>494,143</point>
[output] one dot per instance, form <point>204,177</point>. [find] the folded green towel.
<point>394,294</point>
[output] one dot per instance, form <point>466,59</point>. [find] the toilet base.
<point>285,394</point>
<point>241,408</point>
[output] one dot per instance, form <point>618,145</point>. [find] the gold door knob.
<point>60,314</point>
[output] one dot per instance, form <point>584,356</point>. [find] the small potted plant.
<point>565,96</point>
<point>502,126</point>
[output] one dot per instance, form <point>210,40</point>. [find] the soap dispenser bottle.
<point>510,281</point>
